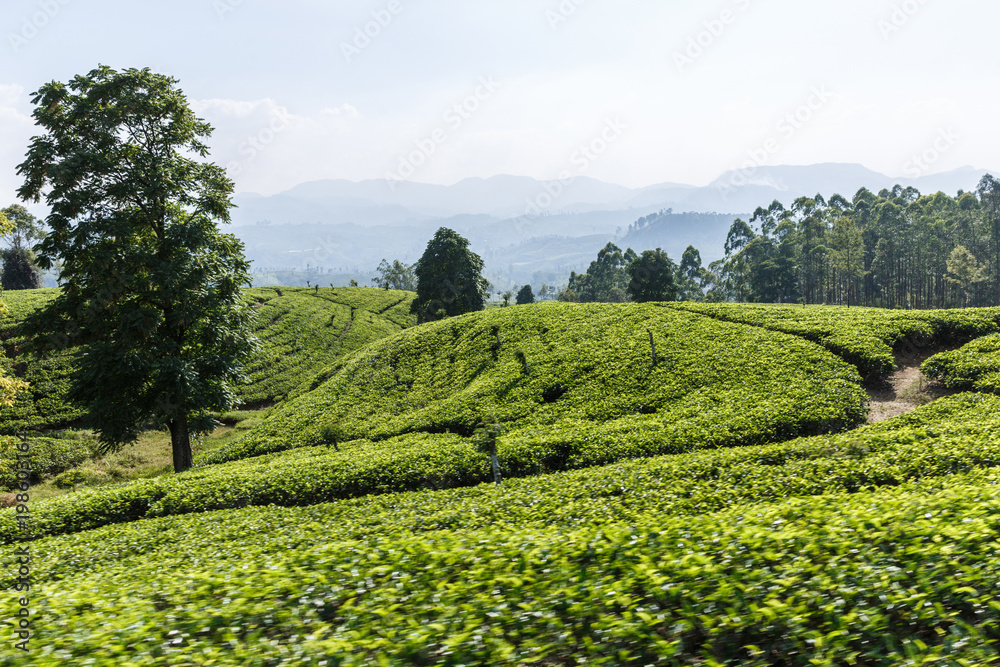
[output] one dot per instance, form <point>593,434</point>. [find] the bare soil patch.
<point>905,390</point>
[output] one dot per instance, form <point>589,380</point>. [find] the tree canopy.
<point>151,288</point>
<point>652,277</point>
<point>449,278</point>
<point>395,276</point>
<point>893,249</point>
<point>525,296</point>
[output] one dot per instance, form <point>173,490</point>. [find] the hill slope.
<point>563,379</point>
<point>302,332</point>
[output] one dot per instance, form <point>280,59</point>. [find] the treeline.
<point>894,249</point>
<point>617,276</point>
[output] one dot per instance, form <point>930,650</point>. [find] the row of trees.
<point>617,276</point>
<point>894,249</point>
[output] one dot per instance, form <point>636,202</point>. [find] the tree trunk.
<point>180,442</point>
<point>494,463</point>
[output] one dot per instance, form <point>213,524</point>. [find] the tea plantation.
<point>866,337</point>
<point>302,333</point>
<point>684,484</point>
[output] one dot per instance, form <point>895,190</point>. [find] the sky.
<point>632,92</point>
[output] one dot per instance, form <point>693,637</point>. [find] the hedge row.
<point>974,367</point>
<point>573,376</point>
<point>908,575</point>
<point>950,436</point>
<point>865,337</point>
<point>303,333</point>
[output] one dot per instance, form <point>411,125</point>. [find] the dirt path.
<point>905,390</point>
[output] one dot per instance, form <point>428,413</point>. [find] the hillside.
<point>302,333</point>
<point>733,555</point>
<point>717,503</point>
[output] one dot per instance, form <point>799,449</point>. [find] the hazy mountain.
<point>527,229</point>
<point>380,202</point>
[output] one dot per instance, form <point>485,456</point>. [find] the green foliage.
<point>894,249</point>
<point>606,279</point>
<point>948,437</point>
<point>19,272</point>
<point>651,277</point>
<point>573,386</point>
<point>865,337</point>
<point>25,228</point>
<point>396,276</point>
<point>302,334</point>
<point>44,405</point>
<point>150,287</point>
<point>620,565</point>
<point>974,367</point>
<point>449,278</point>
<point>47,456</point>
<point>525,296</point>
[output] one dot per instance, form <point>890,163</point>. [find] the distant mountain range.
<point>525,229</point>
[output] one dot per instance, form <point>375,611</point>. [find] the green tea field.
<point>683,484</point>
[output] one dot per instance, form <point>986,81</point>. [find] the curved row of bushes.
<point>947,437</point>
<point>865,337</point>
<point>903,575</point>
<point>559,377</point>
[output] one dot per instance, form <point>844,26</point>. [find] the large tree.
<point>152,290</point>
<point>449,278</point>
<point>652,277</point>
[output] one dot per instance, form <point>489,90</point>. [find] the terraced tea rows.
<point>303,332</point>
<point>573,385</point>
<point>974,367</point>
<point>866,337</point>
<point>601,565</point>
<point>872,546</point>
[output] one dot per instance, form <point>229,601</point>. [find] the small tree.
<point>449,278</point>
<point>395,276</point>
<point>964,271</point>
<point>150,287</point>
<point>19,272</point>
<point>525,296</point>
<point>652,277</point>
<point>25,227</point>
